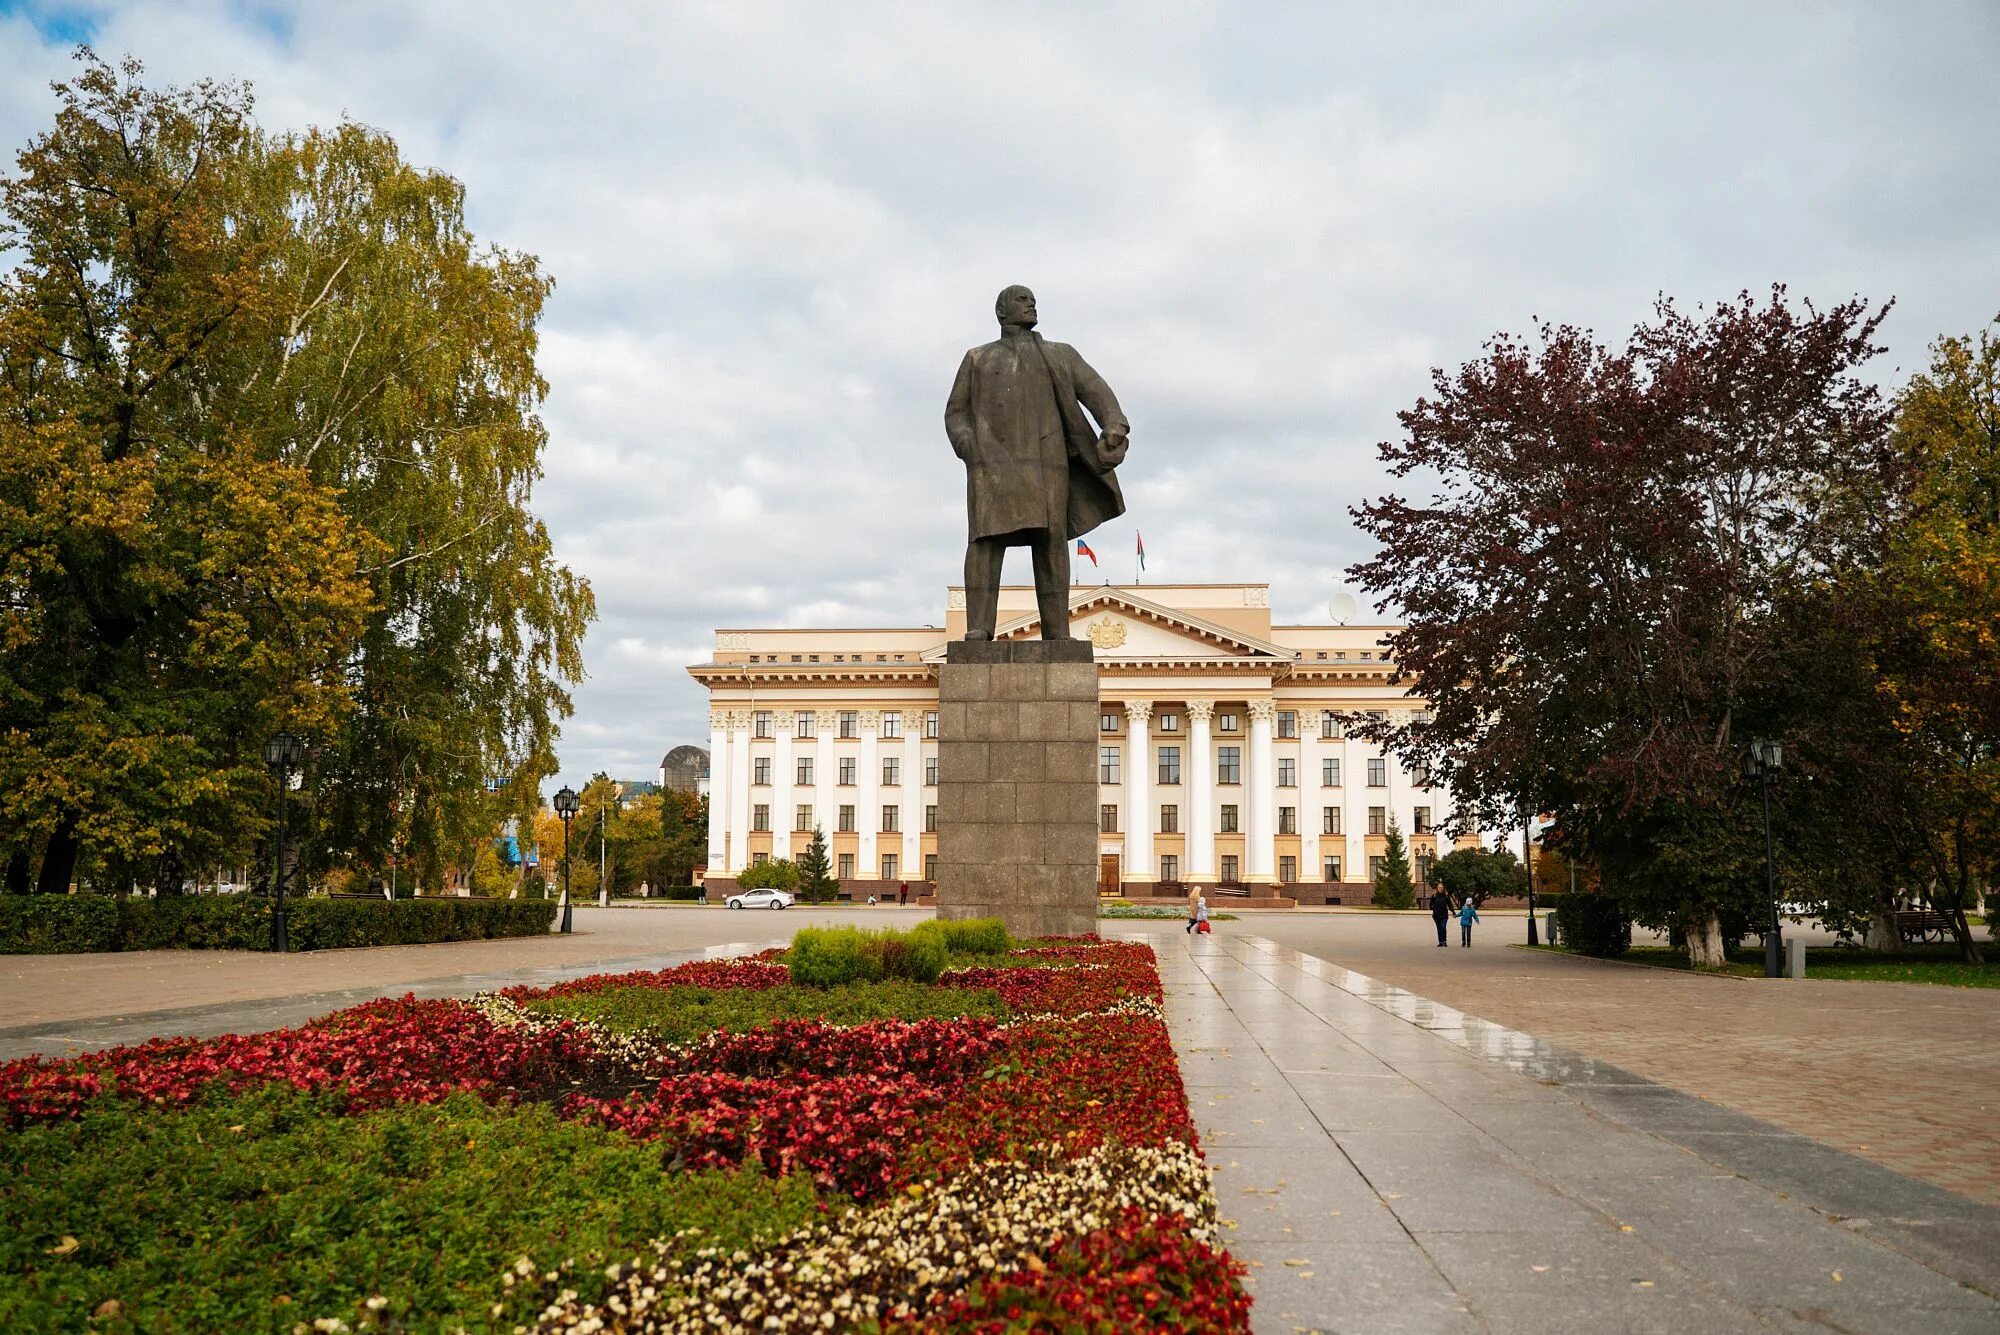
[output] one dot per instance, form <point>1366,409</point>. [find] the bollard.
<point>1795,957</point>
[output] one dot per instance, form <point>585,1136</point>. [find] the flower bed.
<point>1011,1152</point>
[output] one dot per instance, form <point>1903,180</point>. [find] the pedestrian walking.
<point>1197,913</point>
<point>1468,914</point>
<point>1440,910</point>
<point>1194,900</point>
<point>1201,917</point>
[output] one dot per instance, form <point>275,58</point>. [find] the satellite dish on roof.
<point>1342,608</point>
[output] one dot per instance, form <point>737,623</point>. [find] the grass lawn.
<point>1939,965</point>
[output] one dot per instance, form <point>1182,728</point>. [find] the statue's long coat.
<point>1032,460</point>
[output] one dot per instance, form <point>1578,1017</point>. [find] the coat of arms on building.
<point>1107,632</point>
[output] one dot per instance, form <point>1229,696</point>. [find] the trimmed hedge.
<point>77,924</point>
<point>1594,924</point>
<point>969,936</point>
<point>831,956</point>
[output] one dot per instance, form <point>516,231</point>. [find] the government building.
<point>1222,759</point>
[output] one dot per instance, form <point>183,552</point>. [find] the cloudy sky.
<point>775,228</point>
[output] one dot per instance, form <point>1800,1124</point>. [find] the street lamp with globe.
<point>566,807</point>
<point>1760,762</point>
<point>283,752</point>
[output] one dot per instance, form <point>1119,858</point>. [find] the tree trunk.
<point>1882,933</point>
<point>20,872</point>
<point>1704,940</point>
<point>1961,931</point>
<point>59,859</point>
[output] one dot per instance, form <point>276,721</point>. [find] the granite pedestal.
<point>1017,785</point>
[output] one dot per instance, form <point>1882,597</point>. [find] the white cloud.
<point>775,228</point>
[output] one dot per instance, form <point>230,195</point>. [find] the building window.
<point>1225,723</point>
<point>1422,824</point>
<point>892,820</point>
<point>930,866</point>
<point>888,866</point>
<point>804,720</point>
<point>759,859</point>
<point>762,723</point>
<point>1423,869</point>
<point>930,818</point>
<point>1229,764</point>
<point>1288,869</point>
<point>1378,820</point>
<point>802,817</point>
<point>892,725</point>
<point>760,771</point>
<point>850,723</point>
<point>1329,774</point>
<point>1288,820</point>
<point>760,818</point>
<point>1420,775</point>
<point>846,867</point>
<point>846,825</point>
<point>930,770</point>
<point>1107,723</point>
<point>1376,864</point>
<point>1170,764</point>
<point>1170,723</point>
<point>930,723</point>
<point>892,771</point>
<point>1228,825</point>
<point>1107,764</point>
<point>1378,774</point>
<point>1288,723</point>
<point>1170,868</point>
<point>1329,820</point>
<point>1288,772</point>
<point>1329,724</point>
<point>1332,867</point>
<point>804,771</point>
<point>847,770</point>
<point>1229,869</point>
<point>1107,818</point>
<point>1170,819</point>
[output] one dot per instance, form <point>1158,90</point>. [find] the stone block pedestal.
<point>1017,785</point>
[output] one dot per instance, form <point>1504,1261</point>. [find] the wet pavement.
<point>1389,1163</point>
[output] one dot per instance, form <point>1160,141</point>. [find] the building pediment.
<point>1122,625</point>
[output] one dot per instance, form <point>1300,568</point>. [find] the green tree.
<point>1480,875</point>
<point>172,592</point>
<point>816,881</point>
<point>1393,887</point>
<point>683,836</point>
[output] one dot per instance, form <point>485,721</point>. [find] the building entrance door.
<point>1107,874</point>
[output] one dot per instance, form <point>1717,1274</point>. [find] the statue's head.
<point>1015,306</point>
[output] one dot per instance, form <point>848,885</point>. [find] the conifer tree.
<point>816,882</point>
<point>1393,887</point>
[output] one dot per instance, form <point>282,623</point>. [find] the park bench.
<point>1922,925</point>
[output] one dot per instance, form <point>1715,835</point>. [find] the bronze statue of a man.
<point>1037,473</point>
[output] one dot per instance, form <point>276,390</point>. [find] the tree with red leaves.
<point>1590,587</point>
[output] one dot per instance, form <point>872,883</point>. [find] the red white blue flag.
<point>1083,549</point>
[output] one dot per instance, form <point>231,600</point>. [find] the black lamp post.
<point>1760,762</point>
<point>283,752</point>
<point>566,807</point>
<point>1528,863</point>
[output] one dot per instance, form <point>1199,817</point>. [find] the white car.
<point>760,899</point>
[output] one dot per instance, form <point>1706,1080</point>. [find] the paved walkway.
<point>1392,1164</point>
<point>1905,1074</point>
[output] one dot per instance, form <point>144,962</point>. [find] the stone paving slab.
<point>1390,1164</point>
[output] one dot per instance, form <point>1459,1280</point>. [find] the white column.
<point>1310,795</point>
<point>913,796</point>
<point>739,790</point>
<point>1139,864</point>
<point>718,790</point>
<point>868,807</point>
<point>1200,825</point>
<point>781,785</point>
<point>1354,804</point>
<point>824,815</point>
<point>1261,785</point>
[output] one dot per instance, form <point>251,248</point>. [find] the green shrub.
<point>683,1014</point>
<point>832,956</point>
<point>265,1212</point>
<point>685,893</point>
<point>970,936</point>
<point>52,924</point>
<point>775,874</point>
<point>1594,924</point>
